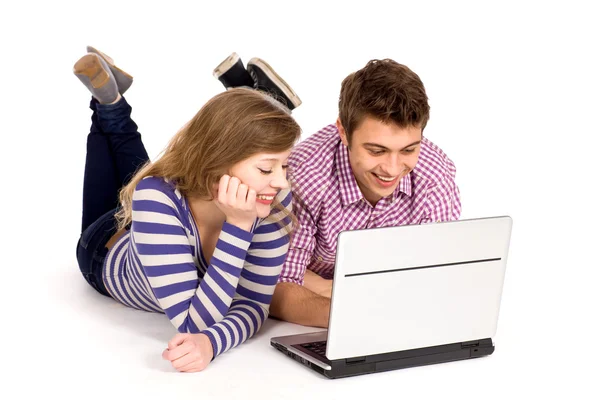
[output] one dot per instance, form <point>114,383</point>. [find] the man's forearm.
<point>295,303</point>
<point>315,283</point>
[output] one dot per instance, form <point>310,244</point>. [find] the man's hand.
<point>189,352</point>
<point>318,285</point>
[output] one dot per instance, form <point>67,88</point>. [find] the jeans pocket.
<point>102,226</point>
<point>89,233</point>
<point>91,279</point>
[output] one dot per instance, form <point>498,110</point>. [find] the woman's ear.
<point>214,192</point>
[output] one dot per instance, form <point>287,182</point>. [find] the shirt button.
<point>320,258</point>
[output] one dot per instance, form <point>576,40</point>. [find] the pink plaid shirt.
<point>327,200</point>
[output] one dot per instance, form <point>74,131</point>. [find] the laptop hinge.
<point>467,345</point>
<point>355,360</point>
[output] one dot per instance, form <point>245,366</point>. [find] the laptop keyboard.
<point>316,349</point>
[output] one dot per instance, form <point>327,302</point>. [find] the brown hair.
<point>229,128</point>
<point>385,90</point>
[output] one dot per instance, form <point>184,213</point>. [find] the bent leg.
<point>126,145</point>
<point>114,153</point>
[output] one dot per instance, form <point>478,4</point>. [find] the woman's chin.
<point>263,210</point>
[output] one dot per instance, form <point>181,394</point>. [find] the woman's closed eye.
<point>270,171</point>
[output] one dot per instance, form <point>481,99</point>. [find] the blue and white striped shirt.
<point>158,266</point>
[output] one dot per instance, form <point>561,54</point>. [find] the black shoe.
<point>231,73</point>
<point>266,79</point>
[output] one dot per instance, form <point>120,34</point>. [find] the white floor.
<point>77,343</point>
<point>513,89</point>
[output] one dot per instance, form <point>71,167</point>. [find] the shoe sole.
<point>273,76</point>
<point>109,61</point>
<point>90,66</point>
<point>226,65</point>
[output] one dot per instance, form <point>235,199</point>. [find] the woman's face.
<point>266,174</point>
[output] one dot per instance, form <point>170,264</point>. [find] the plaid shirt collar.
<point>349,189</point>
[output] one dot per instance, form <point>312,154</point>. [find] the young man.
<point>372,168</point>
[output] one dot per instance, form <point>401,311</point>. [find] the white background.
<point>514,93</point>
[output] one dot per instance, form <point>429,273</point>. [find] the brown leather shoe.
<point>124,80</point>
<point>95,74</point>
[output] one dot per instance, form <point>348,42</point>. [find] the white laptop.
<point>409,295</point>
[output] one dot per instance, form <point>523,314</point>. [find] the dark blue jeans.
<point>114,153</point>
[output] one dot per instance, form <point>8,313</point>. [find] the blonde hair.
<point>229,128</point>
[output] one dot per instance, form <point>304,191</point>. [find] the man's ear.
<point>342,132</point>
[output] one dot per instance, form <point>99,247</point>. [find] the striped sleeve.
<point>160,245</point>
<point>260,273</point>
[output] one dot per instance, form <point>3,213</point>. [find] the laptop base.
<point>389,361</point>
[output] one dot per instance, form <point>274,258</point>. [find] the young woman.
<point>199,234</point>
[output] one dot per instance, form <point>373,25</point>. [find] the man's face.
<point>381,155</point>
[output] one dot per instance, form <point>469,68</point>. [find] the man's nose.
<point>393,165</point>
